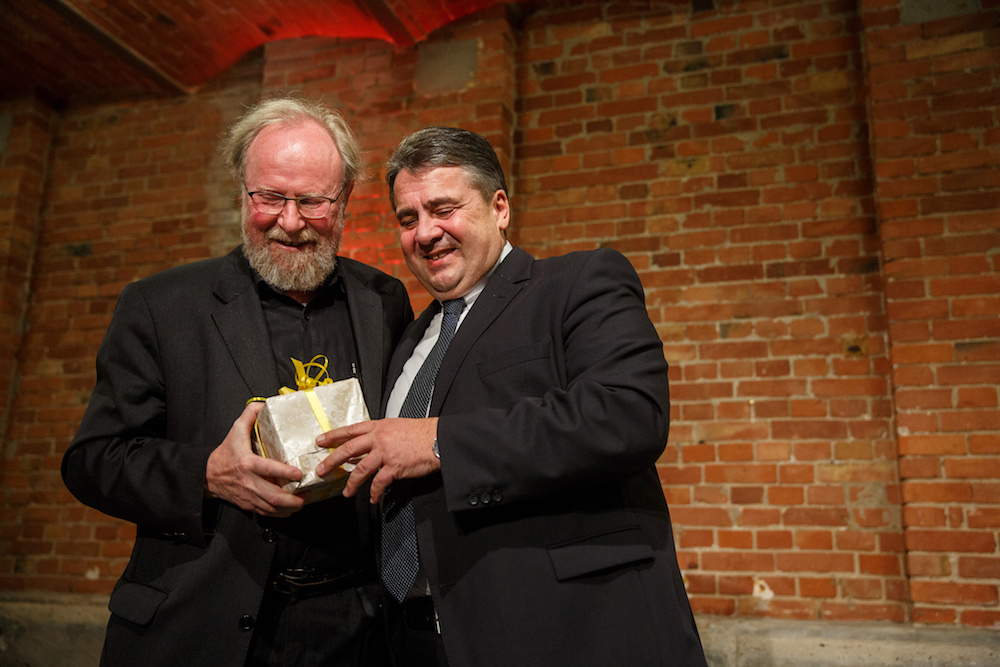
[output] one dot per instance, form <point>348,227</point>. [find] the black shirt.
<point>324,535</point>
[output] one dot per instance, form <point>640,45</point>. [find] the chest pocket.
<point>526,370</point>
<point>514,357</point>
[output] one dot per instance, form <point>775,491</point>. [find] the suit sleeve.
<point>120,462</point>
<point>603,413</point>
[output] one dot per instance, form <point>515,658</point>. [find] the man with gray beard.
<point>228,568</point>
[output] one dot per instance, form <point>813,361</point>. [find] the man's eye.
<point>407,222</point>
<point>312,202</point>
<point>444,212</point>
<point>270,198</point>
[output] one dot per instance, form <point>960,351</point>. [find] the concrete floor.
<point>39,630</point>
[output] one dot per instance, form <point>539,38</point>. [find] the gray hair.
<point>290,110</point>
<point>435,147</point>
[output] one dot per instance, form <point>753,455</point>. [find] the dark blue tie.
<point>400,560</point>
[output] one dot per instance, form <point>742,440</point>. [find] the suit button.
<point>473,499</point>
<point>246,622</point>
<point>498,496</point>
<point>485,498</point>
<point>268,535</point>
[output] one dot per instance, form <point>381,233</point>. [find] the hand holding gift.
<point>287,427</point>
<point>237,475</point>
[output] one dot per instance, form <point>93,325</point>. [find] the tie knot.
<point>453,307</point>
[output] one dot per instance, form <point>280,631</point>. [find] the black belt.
<point>306,581</point>
<point>419,614</point>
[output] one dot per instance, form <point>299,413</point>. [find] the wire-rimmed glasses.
<point>311,207</point>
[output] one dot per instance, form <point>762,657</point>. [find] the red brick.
<point>941,492</point>
<point>954,541</point>
<point>952,593</point>
<point>814,562</point>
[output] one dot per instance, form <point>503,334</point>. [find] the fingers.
<point>276,502</point>
<point>347,444</point>
<point>349,451</point>
<point>392,449</point>
<point>272,469</point>
<point>363,466</point>
<point>235,474</point>
<point>380,482</point>
<point>368,466</point>
<point>339,436</point>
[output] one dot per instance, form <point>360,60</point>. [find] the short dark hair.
<point>435,147</point>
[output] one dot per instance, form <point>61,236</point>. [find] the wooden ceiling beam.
<point>120,49</point>
<point>387,18</point>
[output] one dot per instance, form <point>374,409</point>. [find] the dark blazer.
<point>184,351</point>
<point>546,537</point>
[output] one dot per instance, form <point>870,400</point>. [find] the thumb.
<point>251,411</point>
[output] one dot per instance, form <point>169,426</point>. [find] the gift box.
<point>287,427</point>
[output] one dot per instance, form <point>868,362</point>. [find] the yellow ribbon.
<point>307,383</point>
<point>302,377</point>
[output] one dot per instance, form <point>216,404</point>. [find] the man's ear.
<point>501,208</point>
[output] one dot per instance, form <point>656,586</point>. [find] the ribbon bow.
<point>305,381</point>
<point>307,384</point>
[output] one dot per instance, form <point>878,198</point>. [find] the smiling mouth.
<point>441,254</point>
<point>296,248</point>
<point>290,243</point>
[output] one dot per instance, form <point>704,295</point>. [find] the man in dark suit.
<point>228,568</point>
<point>542,535</point>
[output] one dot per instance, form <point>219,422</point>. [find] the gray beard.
<point>305,273</point>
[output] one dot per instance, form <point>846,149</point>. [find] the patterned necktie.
<point>400,560</point>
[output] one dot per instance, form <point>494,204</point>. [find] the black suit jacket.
<point>184,351</point>
<point>546,537</point>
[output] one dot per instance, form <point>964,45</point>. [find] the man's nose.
<point>427,230</point>
<point>289,219</point>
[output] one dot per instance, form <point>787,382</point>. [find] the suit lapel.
<point>369,336</point>
<point>240,322</point>
<point>500,290</point>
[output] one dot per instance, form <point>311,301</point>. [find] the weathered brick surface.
<point>27,138</point>
<point>933,105</point>
<point>808,191</point>
<point>737,179</point>
<point>131,189</point>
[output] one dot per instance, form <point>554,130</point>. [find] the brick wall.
<point>726,154</point>
<point>131,189</point>
<point>808,190</point>
<point>26,129</point>
<point>934,97</point>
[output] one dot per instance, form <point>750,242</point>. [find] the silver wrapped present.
<point>287,427</point>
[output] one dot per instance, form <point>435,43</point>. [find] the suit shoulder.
<point>186,277</point>
<point>581,260</point>
<point>370,276</point>
<point>583,271</point>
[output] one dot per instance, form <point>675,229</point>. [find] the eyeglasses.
<point>271,203</point>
